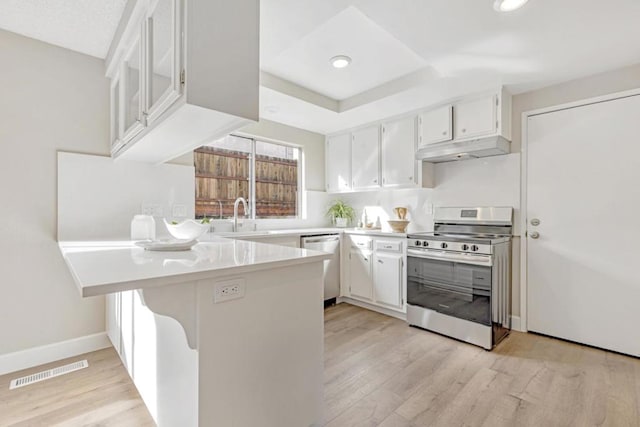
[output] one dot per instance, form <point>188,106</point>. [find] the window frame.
<point>252,178</point>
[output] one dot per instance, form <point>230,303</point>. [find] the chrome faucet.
<point>235,211</point>
<point>220,204</point>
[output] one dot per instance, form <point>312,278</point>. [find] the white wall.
<point>98,197</point>
<point>52,99</point>
<point>619,80</point>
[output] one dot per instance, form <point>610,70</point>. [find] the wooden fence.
<point>223,175</point>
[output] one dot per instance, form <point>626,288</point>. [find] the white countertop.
<point>100,268</point>
<point>299,232</point>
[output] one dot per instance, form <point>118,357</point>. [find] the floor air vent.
<point>45,375</point>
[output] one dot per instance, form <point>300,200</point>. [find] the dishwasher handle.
<point>320,239</point>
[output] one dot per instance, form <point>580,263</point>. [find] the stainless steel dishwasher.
<point>327,243</point>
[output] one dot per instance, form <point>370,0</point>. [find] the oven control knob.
<point>418,243</point>
<point>465,247</point>
<point>444,246</point>
<point>474,248</point>
<point>425,243</point>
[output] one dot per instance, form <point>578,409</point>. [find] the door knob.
<point>535,222</point>
<point>534,234</point>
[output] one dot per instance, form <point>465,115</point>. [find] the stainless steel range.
<point>459,276</point>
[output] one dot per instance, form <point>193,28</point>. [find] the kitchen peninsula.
<point>210,336</point>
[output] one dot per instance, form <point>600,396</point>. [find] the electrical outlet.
<point>152,209</point>
<point>179,211</point>
<point>230,290</point>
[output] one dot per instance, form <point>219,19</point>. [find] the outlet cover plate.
<point>229,290</point>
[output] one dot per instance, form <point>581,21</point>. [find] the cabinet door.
<point>338,158</point>
<point>365,158</point>
<point>476,117</point>
<point>435,126</point>
<point>116,113</point>
<point>112,309</point>
<point>163,58</point>
<point>360,282</point>
<point>126,331</point>
<point>132,90</point>
<point>398,152</point>
<point>387,276</point>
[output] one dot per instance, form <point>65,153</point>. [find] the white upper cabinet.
<point>163,58</point>
<point>365,158</point>
<point>132,85</point>
<point>116,113</point>
<point>188,73</point>
<point>476,117</point>
<point>435,126</point>
<point>399,167</point>
<point>338,163</point>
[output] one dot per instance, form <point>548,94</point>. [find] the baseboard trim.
<point>515,323</point>
<point>36,356</point>
<point>388,312</point>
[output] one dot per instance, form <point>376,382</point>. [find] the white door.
<point>387,282</point>
<point>360,274</point>
<point>338,158</point>
<point>398,152</point>
<point>365,158</point>
<point>583,185</point>
<point>476,117</point>
<point>435,126</point>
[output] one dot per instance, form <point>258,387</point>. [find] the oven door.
<point>450,286</point>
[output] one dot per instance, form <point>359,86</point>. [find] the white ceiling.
<point>306,61</point>
<point>86,26</point>
<point>407,54</point>
<point>467,46</point>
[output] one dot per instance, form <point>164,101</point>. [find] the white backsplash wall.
<point>380,204</point>
<point>489,181</point>
<point>315,205</point>
<point>98,197</point>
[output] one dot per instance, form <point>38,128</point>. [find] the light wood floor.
<point>100,395</point>
<point>380,372</point>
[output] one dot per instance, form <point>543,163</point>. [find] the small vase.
<point>342,222</point>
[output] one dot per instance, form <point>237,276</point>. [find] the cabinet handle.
<point>365,259</point>
<point>375,181</point>
<point>380,261</point>
<point>444,133</point>
<point>464,130</point>
<point>410,178</point>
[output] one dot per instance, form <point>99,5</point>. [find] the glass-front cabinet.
<point>147,81</point>
<point>163,82</point>
<point>132,94</point>
<point>116,119</point>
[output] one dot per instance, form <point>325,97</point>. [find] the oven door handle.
<point>449,256</point>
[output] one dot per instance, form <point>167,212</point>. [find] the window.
<point>266,174</point>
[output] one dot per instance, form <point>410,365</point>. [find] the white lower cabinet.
<point>361,285</point>
<point>387,274</point>
<point>376,271</point>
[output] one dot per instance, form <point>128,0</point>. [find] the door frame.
<point>523,183</point>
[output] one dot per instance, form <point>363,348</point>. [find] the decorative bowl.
<point>188,229</point>
<point>398,225</point>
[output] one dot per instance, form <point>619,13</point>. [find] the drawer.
<point>389,245</point>
<point>361,242</point>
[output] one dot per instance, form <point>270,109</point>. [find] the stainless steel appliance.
<point>459,276</point>
<point>327,243</point>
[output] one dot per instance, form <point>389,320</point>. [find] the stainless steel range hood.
<point>449,151</point>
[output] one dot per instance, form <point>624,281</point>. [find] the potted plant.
<point>341,213</point>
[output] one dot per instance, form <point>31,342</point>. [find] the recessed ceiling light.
<point>508,5</point>
<point>340,61</point>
